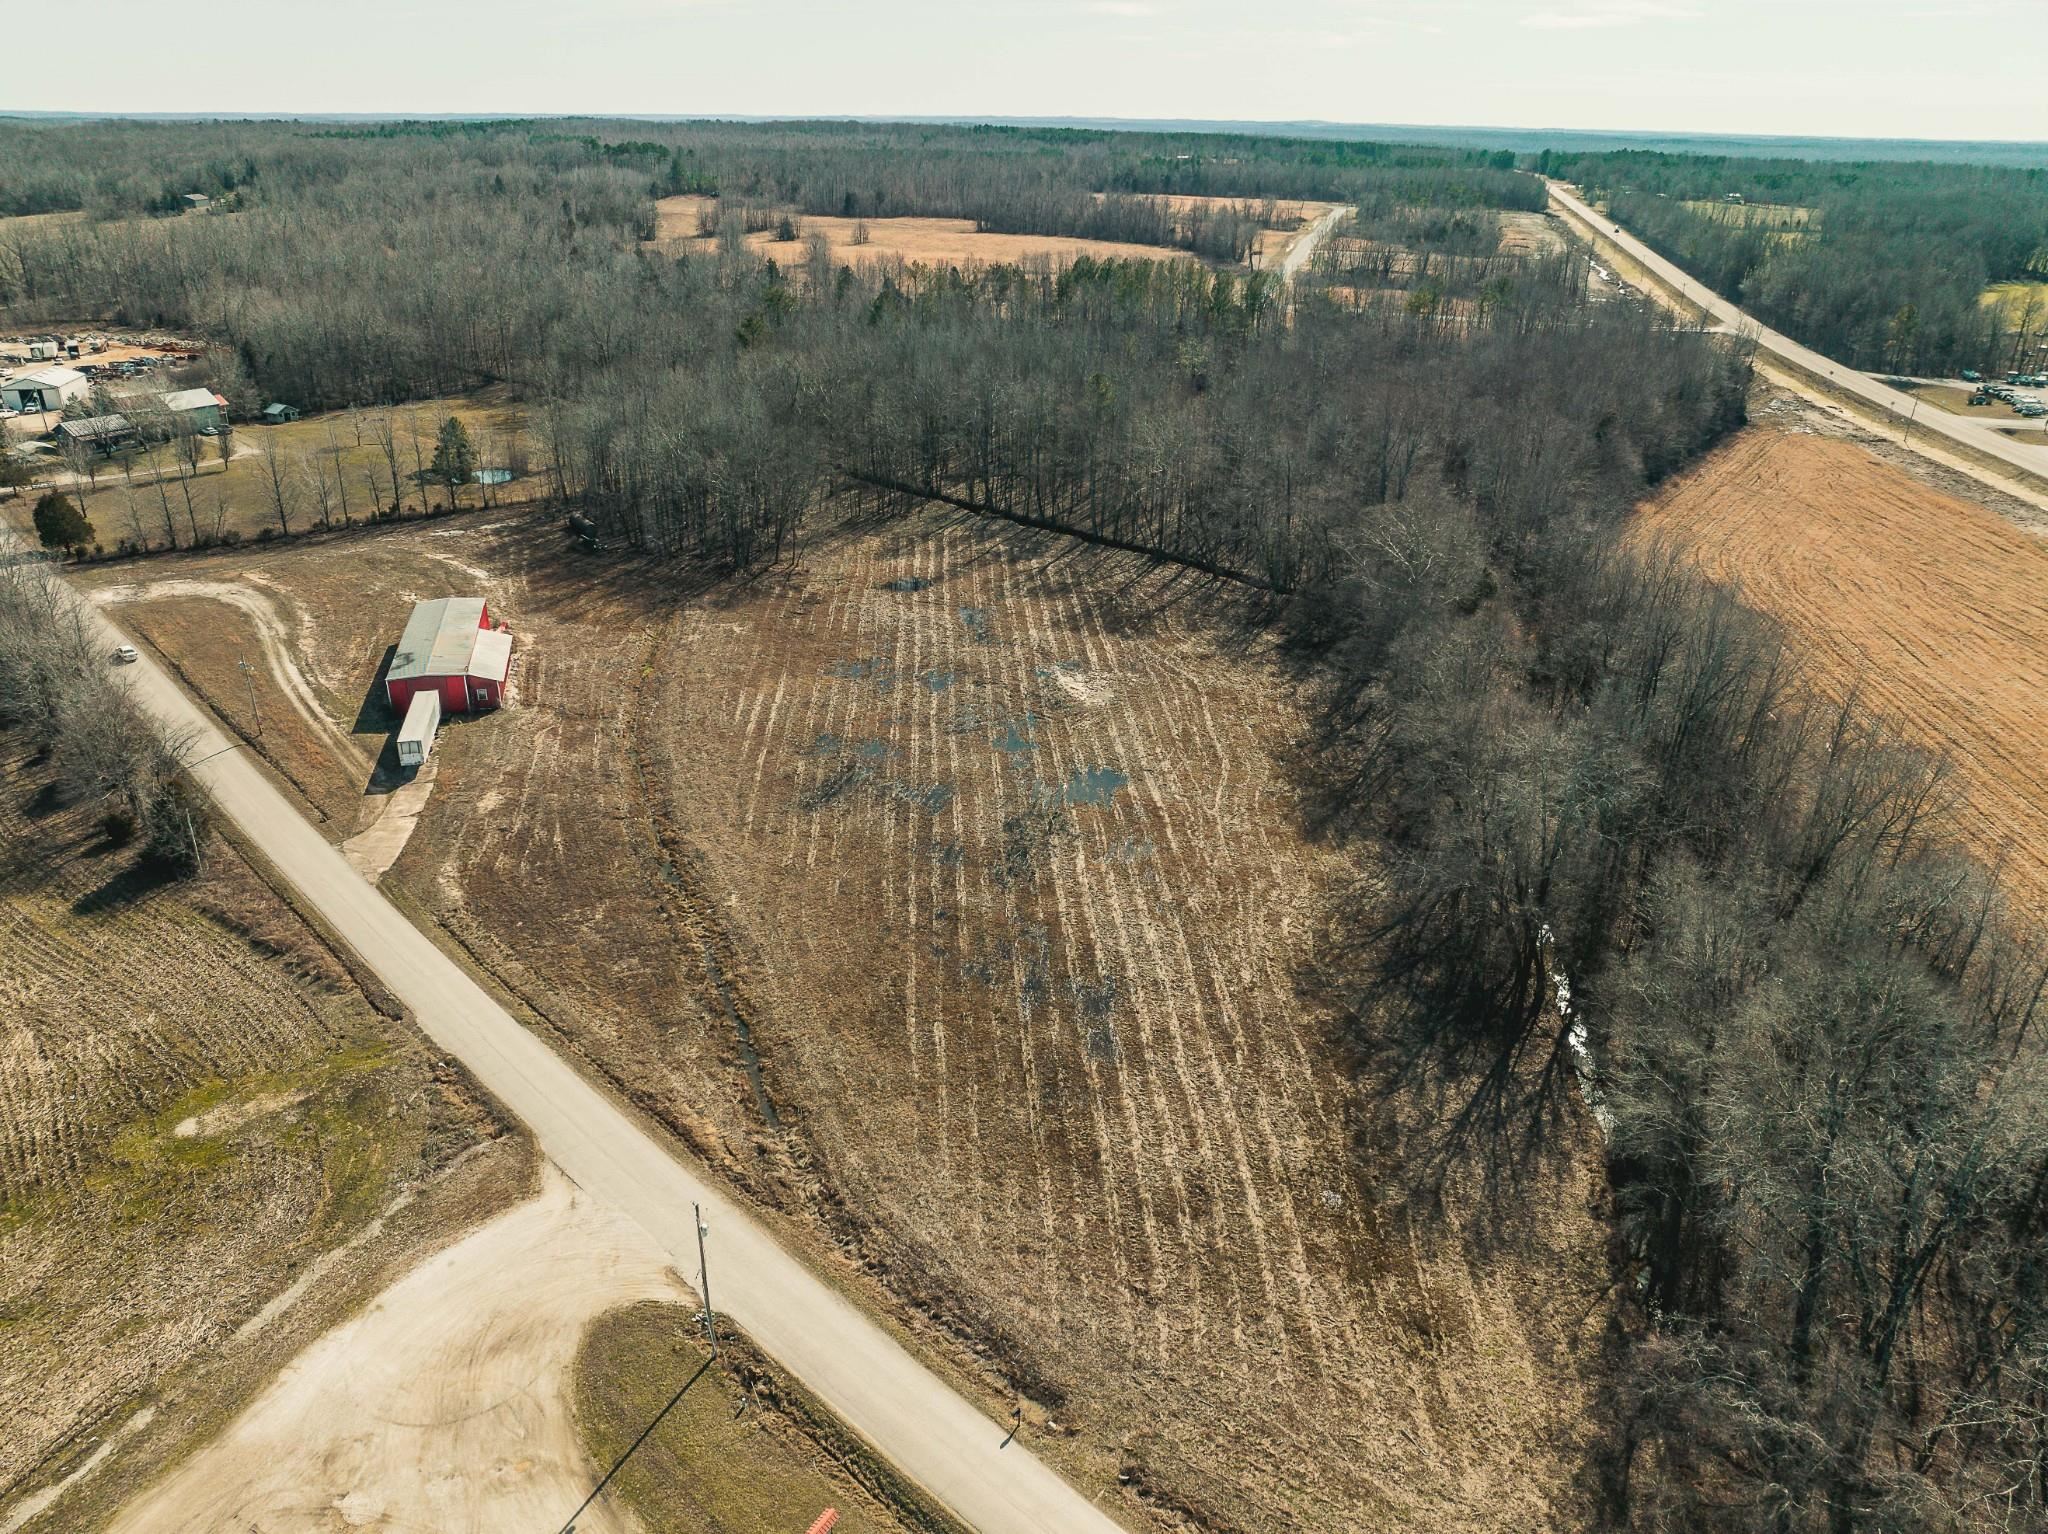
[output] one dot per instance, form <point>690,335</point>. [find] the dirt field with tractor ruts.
<point>945,889</point>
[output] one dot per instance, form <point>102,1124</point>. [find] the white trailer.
<point>422,722</point>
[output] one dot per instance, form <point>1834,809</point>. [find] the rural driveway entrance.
<point>925,1428</point>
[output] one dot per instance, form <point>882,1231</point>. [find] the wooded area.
<point>1616,845</point>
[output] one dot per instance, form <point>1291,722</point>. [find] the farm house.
<point>450,648</point>
<point>194,409</point>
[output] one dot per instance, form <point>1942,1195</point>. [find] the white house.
<point>44,389</point>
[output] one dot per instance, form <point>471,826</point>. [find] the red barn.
<point>449,646</point>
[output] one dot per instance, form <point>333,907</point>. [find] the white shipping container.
<point>422,722</point>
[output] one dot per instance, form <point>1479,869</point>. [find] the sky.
<point>1965,69</point>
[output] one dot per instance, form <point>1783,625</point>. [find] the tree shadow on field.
<point>1442,1113</point>
<point>129,885</point>
<point>1135,594</point>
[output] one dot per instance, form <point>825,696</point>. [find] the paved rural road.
<point>1930,420</point>
<point>925,1428</point>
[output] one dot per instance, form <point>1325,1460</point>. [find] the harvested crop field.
<point>1933,608</point>
<point>1014,892</point>
<point>927,241</point>
<point>945,890</point>
<point>197,1109</point>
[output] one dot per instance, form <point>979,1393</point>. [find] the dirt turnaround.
<point>1931,608</point>
<point>446,1405</point>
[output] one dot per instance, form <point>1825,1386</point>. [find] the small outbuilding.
<point>449,648</point>
<point>276,413</point>
<point>103,432</point>
<point>44,389</point>
<point>196,202</point>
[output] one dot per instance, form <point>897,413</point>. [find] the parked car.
<point>1971,375</point>
<point>125,654</point>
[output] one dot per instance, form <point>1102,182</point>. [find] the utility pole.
<point>249,675</point>
<point>704,1281</point>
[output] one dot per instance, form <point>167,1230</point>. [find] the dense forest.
<point>1618,851</point>
<point>1884,273</point>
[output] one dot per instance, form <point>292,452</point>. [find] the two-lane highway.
<point>1889,403</point>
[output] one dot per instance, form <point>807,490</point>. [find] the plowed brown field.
<point>945,889</point>
<point>1933,609</point>
<point>1017,892</point>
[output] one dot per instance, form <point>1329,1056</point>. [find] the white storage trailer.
<point>422,722</point>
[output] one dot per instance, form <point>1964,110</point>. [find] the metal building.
<point>449,647</point>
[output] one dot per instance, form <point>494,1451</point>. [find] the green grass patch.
<point>331,1114</point>
<point>715,1463</point>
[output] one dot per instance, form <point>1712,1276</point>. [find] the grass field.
<point>1015,894</point>
<point>945,890</point>
<point>2019,302</point>
<point>1932,609</point>
<point>1955,399</point>
<point>1530,234</point>
<point>196,1103</point>
<point>724,1460</point>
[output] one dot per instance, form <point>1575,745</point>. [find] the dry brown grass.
<point>988,843</point>
<point>1931,608</point>
<point>195,1102</point>
<point>1530,234</point>
<point>926,241</point>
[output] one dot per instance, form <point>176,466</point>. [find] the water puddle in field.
<point>976,621</point>
<point>873,750</point>
<point>1093,785</point>
<point>907,583</point>
<point>938,681</point>
<point>929,797</point>
<point>871,669</point>
<point>1018,735</point>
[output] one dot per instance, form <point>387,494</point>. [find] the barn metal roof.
<point>48,378</point>
<point>493,655</point>
<point>190,399</point>
<point>95,426</point>
<point>439,639</point>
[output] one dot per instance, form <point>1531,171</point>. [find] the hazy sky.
<point>1857,68</point>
